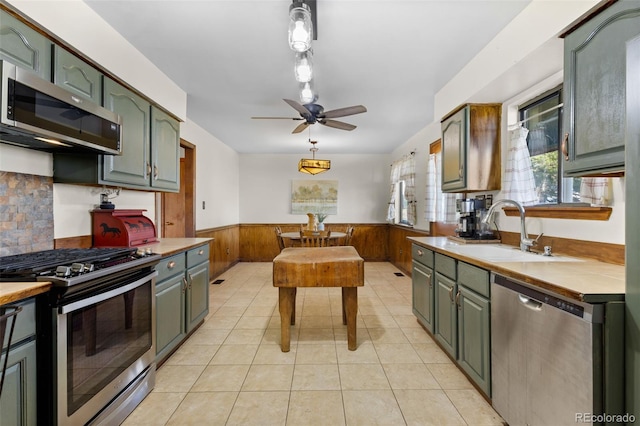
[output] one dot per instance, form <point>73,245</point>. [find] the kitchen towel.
<point>519,183</point>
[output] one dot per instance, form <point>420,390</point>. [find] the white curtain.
<point>596,191</point>
<point>408,175</point>
<point>519,183</point>
<point>393,179</point>
<point>439,206</point>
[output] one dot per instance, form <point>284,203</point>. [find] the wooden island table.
<point>339,266</point>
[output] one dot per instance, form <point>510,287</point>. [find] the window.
<point>403,211</point>
<point>542,116</point>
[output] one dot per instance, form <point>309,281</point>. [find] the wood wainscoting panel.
<point>224,250</point>
<point>258,241</point>
<point>400,247</point>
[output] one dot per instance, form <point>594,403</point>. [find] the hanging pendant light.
<point>303,67</point>
<point>300,27</point>
<point>308,94</point>
<point>313,166</point>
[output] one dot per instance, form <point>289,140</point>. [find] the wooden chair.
<point>348,238</point>
<point>315,238</point>
<point>279,238</point>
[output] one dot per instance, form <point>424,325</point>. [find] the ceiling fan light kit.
<point>311,165</point>
<point>300,27</point>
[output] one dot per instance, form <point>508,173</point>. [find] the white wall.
<point>265,187</point>
<point>516,66</point>
<point>217,173</point>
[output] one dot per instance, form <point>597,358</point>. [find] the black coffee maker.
<point>471,211</point>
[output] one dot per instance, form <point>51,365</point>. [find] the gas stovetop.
<point>68,267</point>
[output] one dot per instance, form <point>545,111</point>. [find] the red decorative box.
<point>122,228</point>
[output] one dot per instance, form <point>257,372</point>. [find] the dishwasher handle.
<point>530,303</point>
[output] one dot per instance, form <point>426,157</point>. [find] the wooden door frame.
<point>189,195</point>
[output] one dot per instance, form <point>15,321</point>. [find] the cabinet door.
<point>170,314</point>
<point>474,340</point>
<point>197,294</point>
<point>18,400</point>
<point>77,76</point>
<point>23,46</point>
<point>133,167</point>
<point>165,150</point>
<point>454,139</point>
<point>422,280</point>
<point>445,327</point>
<point>594,85</point>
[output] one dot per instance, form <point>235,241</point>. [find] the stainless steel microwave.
<point>38,114</point>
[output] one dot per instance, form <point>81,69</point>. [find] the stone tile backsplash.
<point>26,213</point>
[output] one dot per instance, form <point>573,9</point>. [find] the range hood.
<point>39,115</point>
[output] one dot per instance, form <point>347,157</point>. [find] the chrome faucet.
<point>525,242</point>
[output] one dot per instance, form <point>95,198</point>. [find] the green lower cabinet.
<point>445,327</point>
<point>197,294</point>
<point>18,400</point>
<point>182,298</point>
<point>170,315</point>
<point>422,288</point>
<point>474,341</point>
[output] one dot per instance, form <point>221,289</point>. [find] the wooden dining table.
<point>339,266</point>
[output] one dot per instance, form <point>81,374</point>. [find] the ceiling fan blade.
<point>301,127</point>
<point>298,107</point>
<point>277,118</point>
<point>337,124</point>
<point>343,112</point>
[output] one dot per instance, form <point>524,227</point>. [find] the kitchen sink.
<point>504,253</point>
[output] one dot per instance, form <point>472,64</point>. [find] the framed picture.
<point>314,196</point>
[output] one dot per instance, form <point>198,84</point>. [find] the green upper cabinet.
<point>165,150</point>
<point>471,148</point>
<point>150,157</point>
<point>133,167</point>
<point>594,90</point>
<point>23,46</point>
<point>76,76</point>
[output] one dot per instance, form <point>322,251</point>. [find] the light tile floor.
<point>231,371</point>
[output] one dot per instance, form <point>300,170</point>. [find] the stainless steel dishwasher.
<point>546,356</point>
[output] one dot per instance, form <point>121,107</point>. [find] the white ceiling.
<point>232,59</point>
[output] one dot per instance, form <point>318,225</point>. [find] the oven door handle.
<point>107,295</point>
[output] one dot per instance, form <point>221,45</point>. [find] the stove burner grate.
<point>43,262</point>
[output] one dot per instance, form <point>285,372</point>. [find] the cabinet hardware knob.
<point>458,299</point>
<point>169,223</point>
<point>148,170</point>
<point>565,146</point>
<point>419,252</point>
<point>184,287</point>
<point>155,172</point>
<point>200,252</point>
<point>451,294</point>
<point>461,172</point>
<point>171,264</point>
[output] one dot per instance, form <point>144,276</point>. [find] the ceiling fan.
<point>313,113</point>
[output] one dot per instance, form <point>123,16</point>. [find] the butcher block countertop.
<point>169,246</point>
<point>584,280</point>
<point>13,292</point>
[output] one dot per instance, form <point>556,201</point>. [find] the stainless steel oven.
<point>95,336</point>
